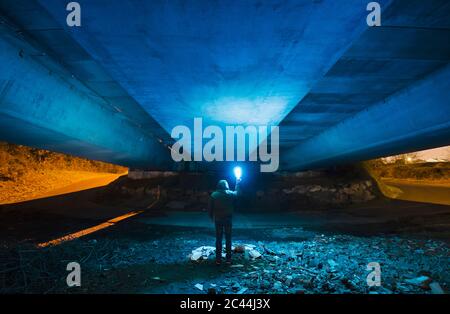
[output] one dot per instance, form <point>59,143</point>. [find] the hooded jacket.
<point>221,203</point>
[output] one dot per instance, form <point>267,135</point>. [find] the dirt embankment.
<point>423,172</point>
<point>420,182</point>
<point>27,173</point>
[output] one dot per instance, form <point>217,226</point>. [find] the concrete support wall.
<point>414,119</point>
<point>40,108</point>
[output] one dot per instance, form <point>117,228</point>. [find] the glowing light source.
<point>237,172</point>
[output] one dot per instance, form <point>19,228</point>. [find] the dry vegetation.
<point>27,172</point>
<point>427,171</point>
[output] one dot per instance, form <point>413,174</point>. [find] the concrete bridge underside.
<point>114,88</point>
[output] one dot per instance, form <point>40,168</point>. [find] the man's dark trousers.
<point>223,224</point>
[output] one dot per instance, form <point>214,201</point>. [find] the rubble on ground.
<point>202,253</point>
<point>206,252</point>
<point>436,288</point>
<point>289,260</point>
<point>335,264</point>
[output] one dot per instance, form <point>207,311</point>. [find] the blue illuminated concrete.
<point>40,108</point>
<point>311,67</point>
<point>411,43</point>
<point>416,118</point>
<point>229,62</point>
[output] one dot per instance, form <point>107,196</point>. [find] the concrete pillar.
<point>41,108</point>
<point>415,118</point>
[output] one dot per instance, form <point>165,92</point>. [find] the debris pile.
<point>336,264</point>
<point>205,252</point>
<point>278,260</point>
<point>249,250</point>
<point>202,253</point>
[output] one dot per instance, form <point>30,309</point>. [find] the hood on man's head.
<point>223,185</point>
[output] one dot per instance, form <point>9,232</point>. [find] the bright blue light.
<point>237,172</point>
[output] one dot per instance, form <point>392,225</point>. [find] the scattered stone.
<point>157,279</point>
<point>422,281</point>
<point>327,264</point>
<point>384,290</point>
<point>196,256</point>
<point>254,254</point>
<point>202,252</point>
<point>269,251</point>
<point>332,265</point>
<point>349,284</point>
<point>277,285</point>
<point>239,249</point>
<point>236,286</point>
<point>288,280</point>
<point>265,284</point>
<point>436,288</point>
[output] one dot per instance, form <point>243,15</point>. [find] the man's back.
<point>221,206</point>
<point>222,202</point>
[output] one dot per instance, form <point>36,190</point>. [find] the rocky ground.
<point>139,258</point>
<point>303,233</point>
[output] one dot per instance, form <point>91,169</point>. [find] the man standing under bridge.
<point>221,207</point>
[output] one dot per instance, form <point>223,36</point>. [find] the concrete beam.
<point>41,108</point>
<point>413,119</point>
<point>229,62</point>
